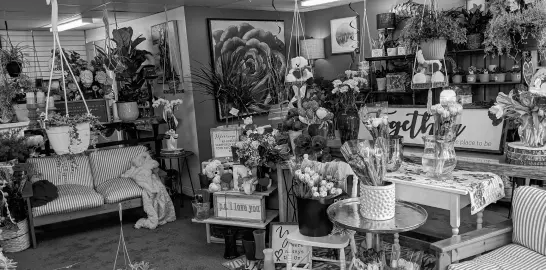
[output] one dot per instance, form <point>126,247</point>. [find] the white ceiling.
<point>34,14</point>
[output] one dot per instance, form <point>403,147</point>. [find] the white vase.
<point>378,53</point>
<point>401,50</point>
<point>381,84</point>
<point>378,202</point>
<point>172,143</point>
<point>59,139</point>
<point>392,51</point>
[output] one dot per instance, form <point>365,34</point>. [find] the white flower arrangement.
<point>169,106</point>
<point>320,186</point>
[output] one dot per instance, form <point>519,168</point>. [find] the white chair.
<point>339,242</point>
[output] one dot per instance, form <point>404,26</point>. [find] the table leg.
<point>180,182</point>
<point>527,181</point>
<point>343,263</point>
<point>455,214</point>
<point>208,233</point>
<point>189,174</point>
<point>480,220</point>
<point>369,240</point>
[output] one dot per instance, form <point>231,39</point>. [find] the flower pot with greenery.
<point>499,75</point>
<point>13,59</point>
<point>378,46</point>
<point>169,106</point>
<point>484,75</point>
<point>457,76</point>
<point>515,74</point>
<point>19,87</point>
<point>431,30</point>
<point>126,61</point>
<point>381,79</point>
<point>70,134</point>
<point>392,47</point>
<point>475,22</point>
<point>514,26</point>
<point>472,74</point>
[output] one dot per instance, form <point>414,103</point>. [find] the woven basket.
<point>434,49</point>
<point>474,41</point>
<point>15,241</point>
<point>378,202</point>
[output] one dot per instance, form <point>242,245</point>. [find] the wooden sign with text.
<point>476,134</point>
<point>239,206</point>
<point>222,139</point>
<point>278,233</point>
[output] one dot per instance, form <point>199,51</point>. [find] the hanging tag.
<point>234,112</point>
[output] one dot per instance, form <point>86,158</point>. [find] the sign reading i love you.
<point>279,243</point>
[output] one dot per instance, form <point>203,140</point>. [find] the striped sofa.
<point>88,184</point>
<point>516,244</point>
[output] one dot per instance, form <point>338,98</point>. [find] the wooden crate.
<point>239,206</point>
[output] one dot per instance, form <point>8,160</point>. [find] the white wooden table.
<point>449,199</point>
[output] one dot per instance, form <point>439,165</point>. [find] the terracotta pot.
<point>457,78</point>
<point>484,78</point>
<point>434,49</point>
<point>471,78</point>
<point>128,111</point>
<point>499,77</point>
<point>59,139</point>
<point>516,77</point>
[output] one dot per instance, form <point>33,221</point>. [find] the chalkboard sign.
<point>222,139</point>
<point>97,107</point>
<point>279,231</point>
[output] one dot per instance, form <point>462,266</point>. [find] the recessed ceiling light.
<point>310,3</point>
<point>72,24</point>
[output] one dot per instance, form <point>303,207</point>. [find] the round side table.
<point>181,160</point>
<point>346,214</point>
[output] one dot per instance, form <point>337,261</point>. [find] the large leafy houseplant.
<point>513,26</point>
<point>434,28</point>
<point>475,21</point>
<point>126,61</point>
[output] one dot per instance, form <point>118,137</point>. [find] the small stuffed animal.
<point>214,170</point>
<point>227,180</point>
<point>300,71</point>
<point>142,170</point>
<point>249,184</point>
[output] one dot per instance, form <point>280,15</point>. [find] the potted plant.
<point>13,58</point>
<point>513,27</point>
<point>515,74</point>
<point>432,30</point>
<point>475,22</point>
<point>70,134</point>
<point>169,106</point>
<point>499,74</point>
<point>378,46</point>
<point>126,61</point>
<point>21,86</point>
<point>403,48</point>
<point>392,47</point>
<point>472,73</point>
<point>457,76</point>
<point>483,75</point>
<point>381,79</point>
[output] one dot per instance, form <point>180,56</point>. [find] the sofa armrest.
<point>472,243</point>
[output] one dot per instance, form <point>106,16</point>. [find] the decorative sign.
<point>476,134</point>
<point>239,206</point>
<point>279,243</point>
<point>222,139</point>
<point>97,107</point>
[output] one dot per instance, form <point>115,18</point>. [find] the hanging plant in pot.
<point>431,30</point>
<point>13,59</point>
<point>475,21</point>
<point>316,186</point>
<point>127,62</point>
<point>77,130</point>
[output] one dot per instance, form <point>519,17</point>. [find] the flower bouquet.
<point>316,186</point>
<point>348,90</point>
<point>315,147</point>
<point>525,110</point>
<point>317,118</point>
<point>263,146</point>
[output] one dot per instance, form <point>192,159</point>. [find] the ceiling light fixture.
<point>310,3</point>
<point>72,24</point>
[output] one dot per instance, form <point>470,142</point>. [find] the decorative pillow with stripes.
<point>529,218</point>
<point>111,163</point>
<point>63,170</point>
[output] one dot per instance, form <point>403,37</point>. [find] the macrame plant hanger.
<point>57,44</point>
<point>416,64</point>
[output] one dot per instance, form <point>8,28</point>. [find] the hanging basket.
<point>13,68</point>
<point>59,136</point>
<point>434,49</point>
<point>15,241</point>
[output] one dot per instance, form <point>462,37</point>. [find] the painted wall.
<point>199,48</point>
<point>317,25</point>
<point>187,128</point>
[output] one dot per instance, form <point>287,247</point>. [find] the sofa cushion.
<point>529,208</point>
<point>512,256</point>
<point>71,198</point>
<point>119,189</point>
<point>111,163</point>
<point>62,170</point>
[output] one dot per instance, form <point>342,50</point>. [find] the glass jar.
<point>531,138</point>
<point>439,158</point>
<point>348,125</point>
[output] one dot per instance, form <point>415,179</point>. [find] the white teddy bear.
<point>300,70</point>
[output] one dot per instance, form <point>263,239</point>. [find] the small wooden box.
<point>239,206</point>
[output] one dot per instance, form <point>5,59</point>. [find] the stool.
<point>330,241</point>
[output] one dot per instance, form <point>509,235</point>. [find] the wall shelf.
<point>387,58</point>
<point>488,83</point>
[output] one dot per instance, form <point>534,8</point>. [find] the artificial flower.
<point>316,194</point>
<point>323,194</point>
<point>497,110</point>
<point>95,88</point>
<point>322,113</point>
<point>101,77</point>
<point>86,77</point>
<point>260,130</point>
<point>318,143</point>
<point>337,83</point>
<point>303,141</point>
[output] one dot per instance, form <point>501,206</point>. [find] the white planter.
<point>392,51</point>
<point>172,143</point>
<point>128,111</point>
<point>21,112</point>
<point>381,84</point>
<point>378,202</point>
<point>378,53</point>
<point>434,49</point>
<point>59,139</point>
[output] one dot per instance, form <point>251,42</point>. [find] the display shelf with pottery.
<point>519,154</point>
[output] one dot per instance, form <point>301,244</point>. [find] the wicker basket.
<point>15,241</point>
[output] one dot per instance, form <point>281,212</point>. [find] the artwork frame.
<point>168,59</point>
<point>272,34</point>
<point>344,35</point>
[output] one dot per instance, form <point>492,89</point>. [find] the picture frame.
<point>344,35</point>
<point>272,34</point>
<point>221,140</point>
<point>239,172</point>
<point>166,52</point>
